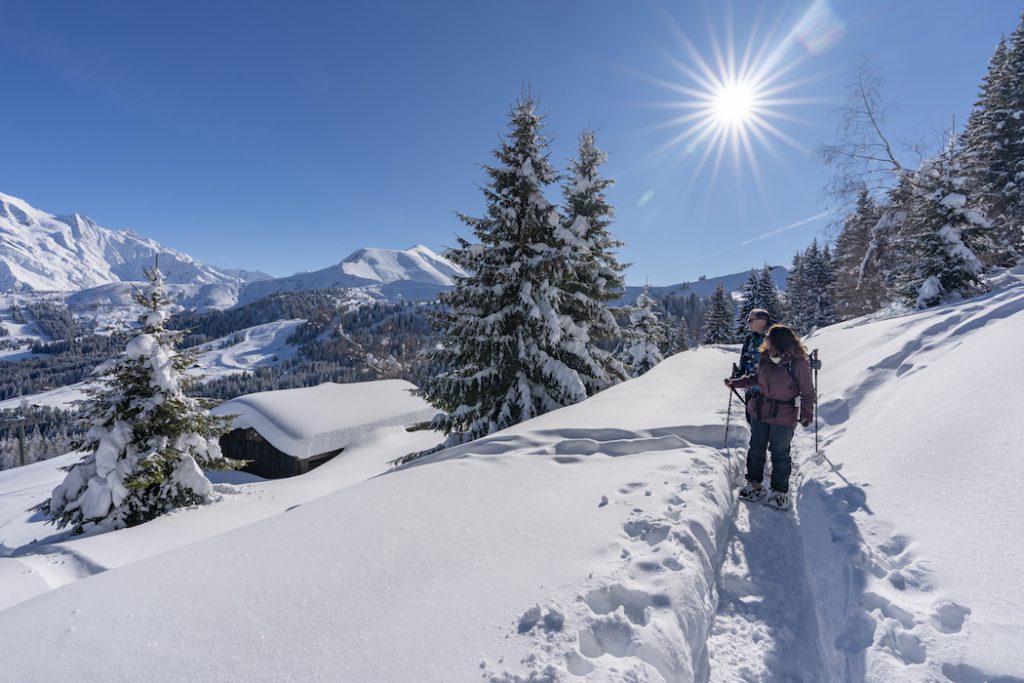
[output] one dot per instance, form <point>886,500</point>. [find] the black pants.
<point>764,436</point>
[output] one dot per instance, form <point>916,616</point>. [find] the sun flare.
<point>733,99</point>
<point>734,104</point>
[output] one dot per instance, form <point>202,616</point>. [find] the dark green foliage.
<point>509,344</point>
<point>719,319</point>
<point>56,321</point>
<point>860,287</point>
<point>758,292</point>
<point>811,290</point>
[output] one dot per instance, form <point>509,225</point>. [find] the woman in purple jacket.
<point>782,375</point>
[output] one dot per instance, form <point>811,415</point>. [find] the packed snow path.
<point>765,628</point>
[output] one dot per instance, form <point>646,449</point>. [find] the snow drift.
<point>598,542</point>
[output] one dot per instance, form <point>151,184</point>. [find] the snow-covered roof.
<point>314,420</point>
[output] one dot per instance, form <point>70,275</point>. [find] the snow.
<point>600,541</point>
<point>313,420</point>
<point>929,290</point>
<point>258,346</point>
<point>954,200</point>
<point>416,273</point>
<point>62,397</point>
<point>45,252</point>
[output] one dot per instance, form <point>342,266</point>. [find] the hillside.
<point>601,540</point>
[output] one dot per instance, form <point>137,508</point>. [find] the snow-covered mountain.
<point>40,251</point>
<point>599,542</point>
<point>416,273</point>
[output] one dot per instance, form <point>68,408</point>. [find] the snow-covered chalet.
<point>291,431</point>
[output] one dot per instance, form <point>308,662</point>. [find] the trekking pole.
<point>728,412</point>
<point>728,415</point>
<point>816,364</point>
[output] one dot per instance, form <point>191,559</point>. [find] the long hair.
<point>781,341</point>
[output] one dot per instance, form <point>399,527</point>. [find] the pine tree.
<point>1008,162</point>
<point>859,290</point>
<point>796,297</point>
<point>643,339</point>
<point>594,276</point>
<point>508,351</point>
<point>748,302</point>
<point>768,294</point>
<point>810,294</point>
<point>988,152</point>
<point>148,443</point>
<point>678,336</point>
<point>718,319</point>
<point>889,253</point>
<point>759,292</point>
<point>950,231</point>
<point>824,279</point>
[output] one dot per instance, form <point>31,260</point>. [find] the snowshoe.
<point>778,500</point>
<point>751,491</point>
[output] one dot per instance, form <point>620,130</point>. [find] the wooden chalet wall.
<point>267,461</point>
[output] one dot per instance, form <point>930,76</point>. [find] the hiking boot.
<point>751,490</point>
<point>778,500</point>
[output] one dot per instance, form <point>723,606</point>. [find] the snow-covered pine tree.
<point>719,317</point>
<point>822,275</point>
<point>643,339</point>
<point>594,275</point>
<point>509,353</point>
<point>985,152</point>
<point>796,295</point>
<point>889,252</point>
<point>678,336</point>
<point>759,291</point>
<point>950,230</point>
<point>1010,156</point>
<point>748,302</point>
<point>859,290</point>
<point>811,289</point>
<point>148,443</point>
<point>768,294</point>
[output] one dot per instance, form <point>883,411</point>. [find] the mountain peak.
<point>46,252</point>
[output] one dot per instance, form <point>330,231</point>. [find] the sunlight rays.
<point>730,102</point>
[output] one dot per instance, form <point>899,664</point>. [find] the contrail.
<point>777,231</point>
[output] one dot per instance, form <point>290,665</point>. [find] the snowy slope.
<point>115,298</point>
<point>242,351</point>
<point>600,541</point>
<point>253,347</point>
<point>416,273</point>
<point>44,252</point>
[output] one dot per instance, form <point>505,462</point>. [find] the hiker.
<point>759,321</point>
<point>783,373</point>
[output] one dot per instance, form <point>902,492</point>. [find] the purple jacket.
<point>779,387</point>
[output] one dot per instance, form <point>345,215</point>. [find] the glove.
<point>728,382</point>
<point>805,421</point>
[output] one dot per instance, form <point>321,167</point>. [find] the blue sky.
<point>284,136</point>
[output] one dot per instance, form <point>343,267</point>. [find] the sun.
<point>735,104</point>
<point>734,98</point>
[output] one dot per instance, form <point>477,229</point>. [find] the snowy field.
<point>600,542</point>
